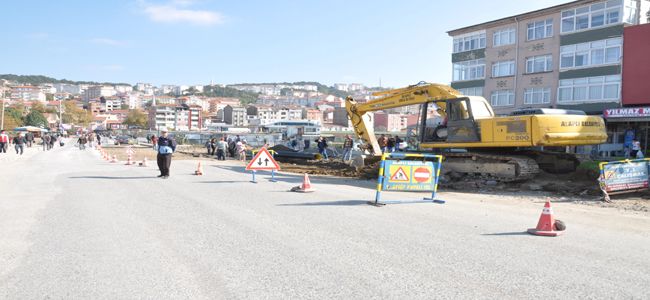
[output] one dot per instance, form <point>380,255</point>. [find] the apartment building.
<point>566,56</point>
<point>235,115</point>
<point>26,93</point>
<point>179,118</point>
<point>97,91</point>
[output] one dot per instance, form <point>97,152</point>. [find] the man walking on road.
<point>46,141</point>
<point>4,141</point>
<point>82,142</point>
<point>29,137</point>
<point>166,146</point>
<point>19,143</point>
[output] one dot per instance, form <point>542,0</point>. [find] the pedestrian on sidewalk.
<point>53,140</point>
<point>19,143</point>
<point>208,147</point>
<point>154,141</point>
<point>4,142</point>
<point>99,139</point>
<point>222,146</point>
<point>347,148</point>
<point>91,140</point>
<point>166,146</point>
<point>82,142</point>
<point>46,141</point>
<point>29,137</point>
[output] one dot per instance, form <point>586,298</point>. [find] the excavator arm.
<point>415,94</point>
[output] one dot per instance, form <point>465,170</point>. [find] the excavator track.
<point>504,168</point>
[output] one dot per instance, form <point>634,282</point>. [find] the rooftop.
<point>515,18</point>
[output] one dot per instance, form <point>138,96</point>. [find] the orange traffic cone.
<point>547,225</point>
<point>144,162</point>
<point>114,160</point>
<point>199,170</point>
<point>305,187</point>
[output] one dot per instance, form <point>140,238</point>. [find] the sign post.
<point>396,173</point>
<point>263,160</point>
<point>625,176</point>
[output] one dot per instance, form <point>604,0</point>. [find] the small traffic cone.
<point>114,160</point>
<point>144,162</point>
<point>129,161</point>
<point>199,170</point>
<point>547,225</point>
<point>305,187</point>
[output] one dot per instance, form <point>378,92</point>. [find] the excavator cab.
<point>454,120</point>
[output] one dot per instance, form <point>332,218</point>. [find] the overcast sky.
<point>196,41</point>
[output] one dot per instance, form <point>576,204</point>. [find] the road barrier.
<point>401,172</point>
<point>623,176</point>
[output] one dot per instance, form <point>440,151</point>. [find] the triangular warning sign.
<point>399,175</point>
<point>263,160</point>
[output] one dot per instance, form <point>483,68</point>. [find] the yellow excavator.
<point>474,140</point>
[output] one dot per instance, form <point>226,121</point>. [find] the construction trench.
<point>580,186</point>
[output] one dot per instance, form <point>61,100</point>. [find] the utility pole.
<point>2,97</point>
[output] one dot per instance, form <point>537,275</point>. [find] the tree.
<point>137,118</point>
<point>13,118</point>
<point>36,118</point>
<point>38,106</point>
<point>124,106</point>
<point>75,115</point>
<point>192,91</point>
<point>49,97</point>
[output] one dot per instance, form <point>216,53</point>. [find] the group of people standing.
<point>227,147</point>
<point>25,140</point>
<point>390,144</point>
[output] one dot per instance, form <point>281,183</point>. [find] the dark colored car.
<point>122,140</point>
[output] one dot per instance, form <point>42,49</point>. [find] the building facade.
<point>566,56</point>
<point>179,118</point>
<point>235,115</point>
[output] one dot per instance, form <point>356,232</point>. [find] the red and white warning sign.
<point>422,174</point>
<point>400,176</point>
<point>263,160</point>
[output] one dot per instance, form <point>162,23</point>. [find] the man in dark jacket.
<point>19,143</point>
<point>166,146</point>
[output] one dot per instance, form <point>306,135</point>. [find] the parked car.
<point>122,140</point>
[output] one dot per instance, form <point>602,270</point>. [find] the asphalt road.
<point>75,227</point>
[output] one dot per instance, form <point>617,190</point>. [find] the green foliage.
<point>40,79</point>
<point>13,117</point>
<point>36,118</point>
<point>136,117</point>
<point>75,115</point>
<point>216,91</point>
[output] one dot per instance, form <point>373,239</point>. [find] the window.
<point>469,70</point>
<point>470,42</point>
<point>475,91</point>
<point>504,37</point>
<point>504,68</point>
<point>591,54</point>
<point>537,95</point>
<point>539,30</point>
<point>601,88</point>
<point>593,16</point>
<point>538,64</point>
<point>503,98</point>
